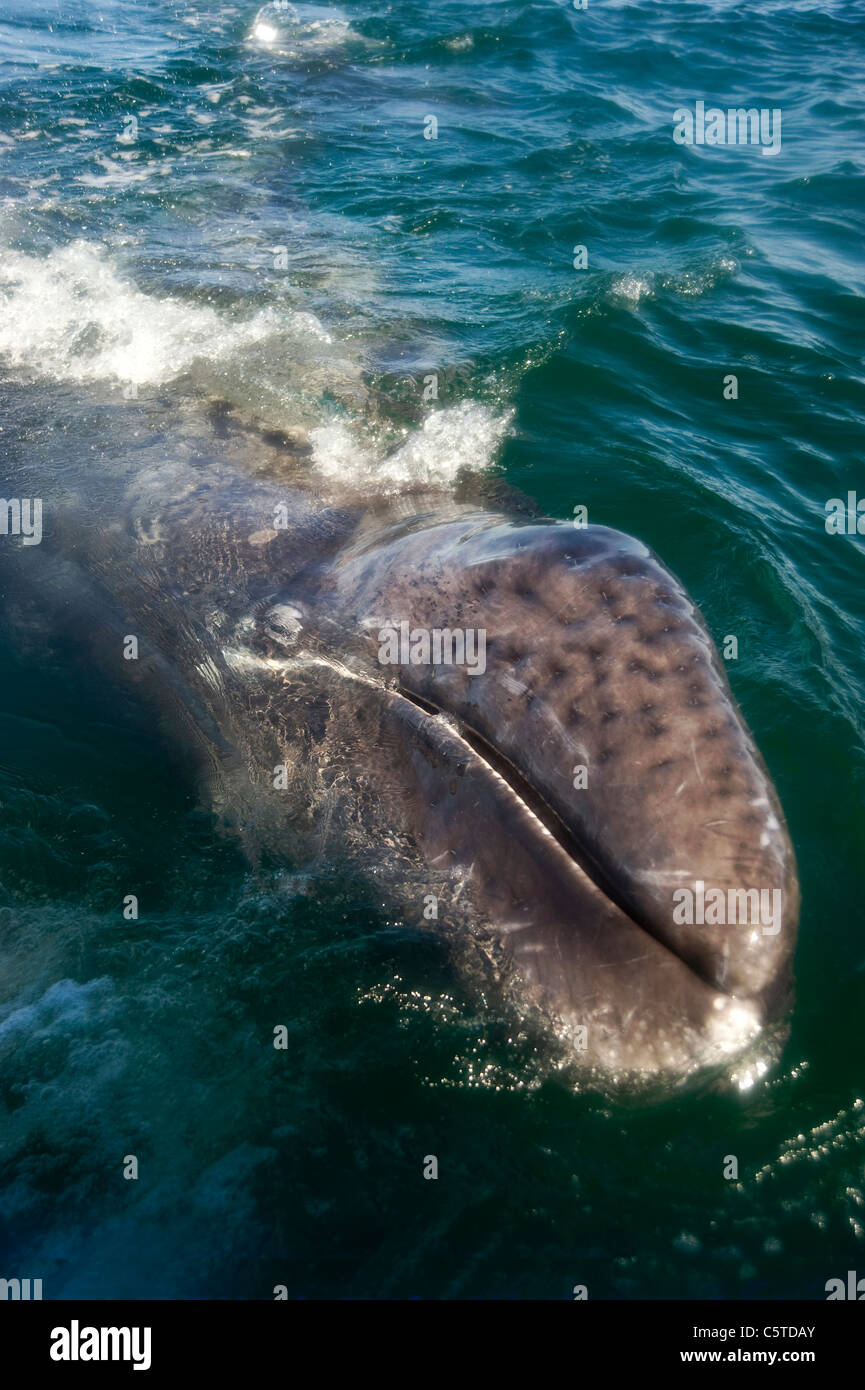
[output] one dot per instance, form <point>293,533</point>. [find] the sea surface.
<point>208,201</point>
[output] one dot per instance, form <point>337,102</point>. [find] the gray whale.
<point>257,604</point>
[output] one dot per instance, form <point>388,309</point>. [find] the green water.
<point>278,233</point>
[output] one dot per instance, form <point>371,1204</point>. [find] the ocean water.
<point>216,201</point>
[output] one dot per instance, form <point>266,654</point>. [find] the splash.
<point>298,31</point>
<point>464,436</point>
<point>72,317</point>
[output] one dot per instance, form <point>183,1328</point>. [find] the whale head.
<point>584,778</point>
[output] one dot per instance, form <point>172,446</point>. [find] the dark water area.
<point>207,201</point>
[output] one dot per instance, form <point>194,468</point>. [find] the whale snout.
<point>605,710</point>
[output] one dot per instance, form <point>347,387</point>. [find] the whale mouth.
<point>535,802</point>
<point>746,1015</point>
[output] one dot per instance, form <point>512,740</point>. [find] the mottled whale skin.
<point>259,648</point>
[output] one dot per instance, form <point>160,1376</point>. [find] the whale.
<point>552,808</point>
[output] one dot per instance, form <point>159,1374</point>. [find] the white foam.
<point>467,435</point>
<point>71,316</point>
